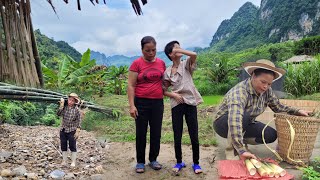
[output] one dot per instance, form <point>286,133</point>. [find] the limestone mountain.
<point>274,21</point>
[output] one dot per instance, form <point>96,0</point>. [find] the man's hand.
<point>303,113</point>
<point>77,133</point>
<point>133,112</point>
<point>61,102</point>
<point>178,98</point>
<point>247,155</point>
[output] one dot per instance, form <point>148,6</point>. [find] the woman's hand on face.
<point>133,112</point>
<point>178,98</point>
<point>304,113</point>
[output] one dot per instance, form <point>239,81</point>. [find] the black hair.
<point>147,39</point>
<point>169,47</point>
<point>259,71</point>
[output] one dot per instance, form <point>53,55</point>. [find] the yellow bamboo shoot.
<point>276,173</point>
<point>268,170</point>
<point>262,172</point>
<point>256,163</point>
<point>252,170</point>
<point>278,169</point>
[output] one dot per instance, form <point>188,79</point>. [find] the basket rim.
<point>305,118</point>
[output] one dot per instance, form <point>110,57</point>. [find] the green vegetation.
<point>50,50</point>
<point>303,79</point>
<point>123,129</point>
<point>272,22</point>
<point>312,172</point>
<point>28,113</point>
<point>212,100</point>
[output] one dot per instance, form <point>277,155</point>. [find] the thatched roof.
<point>135,4</point>
<point>299,59</point>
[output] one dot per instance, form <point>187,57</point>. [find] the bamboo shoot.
<point>252,170</point>
<point>256,163</point>
<point>278,169</point>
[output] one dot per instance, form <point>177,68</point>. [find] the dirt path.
<point>121,163</point>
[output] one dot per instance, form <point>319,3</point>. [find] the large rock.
<point>19,171</point>
<point>96,177</point>
<point>6,173</point>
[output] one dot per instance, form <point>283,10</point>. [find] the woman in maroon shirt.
<point>145,97</point>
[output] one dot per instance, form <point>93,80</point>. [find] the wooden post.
<point>24,48</point>
<point>34,78</point>
<point>11,66</point>
<point>36,56</point>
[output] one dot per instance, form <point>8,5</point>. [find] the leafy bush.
<point>312,172</point>
<point>303,79</point>
<point>309,46</point>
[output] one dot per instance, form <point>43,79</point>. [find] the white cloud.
<point>115,29</point>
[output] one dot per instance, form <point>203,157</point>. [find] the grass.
<point>314,97</point>
<point>212,100</point>
<point>123,129</point>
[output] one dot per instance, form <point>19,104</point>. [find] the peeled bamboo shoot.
<point>262,172</point>
<point>278,169</point>
<point>256,163</point>
<point>252,170</point>
<point>268,170</point>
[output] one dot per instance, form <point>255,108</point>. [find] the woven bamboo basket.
<point>306,130</point>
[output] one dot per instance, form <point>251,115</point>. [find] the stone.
<point>57,174</point>
<point>6,173</point>
<point>69,176</point>
<point>5,154</point>
<point>32,176</point>
<point>96,177</point>
<point>19,171</point>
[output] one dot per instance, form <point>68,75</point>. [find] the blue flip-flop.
<point>140,168</point>
<point>155,165</point>
<point>179,166</point>
<point>196,167</point>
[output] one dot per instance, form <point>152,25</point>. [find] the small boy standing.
<point>184,100</point>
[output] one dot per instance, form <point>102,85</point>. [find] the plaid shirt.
<point>243,98</point>
<point>70,118</point>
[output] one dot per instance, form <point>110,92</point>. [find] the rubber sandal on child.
<point>140,168</point>
<point>178,167</point>
<point>155,165</point>
<point>196,167</point>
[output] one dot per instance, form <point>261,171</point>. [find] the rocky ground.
<point>34,153</point>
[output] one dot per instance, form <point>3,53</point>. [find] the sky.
<point>115,29</point>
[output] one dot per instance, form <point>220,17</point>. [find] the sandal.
<point>196,167</point>
<point>155,165</point>
<point>178,167</point>
<point>140,168</point>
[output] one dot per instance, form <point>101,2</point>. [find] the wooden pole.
<point>36,56</point>
<point>20,67</point>
<point>26,58</point>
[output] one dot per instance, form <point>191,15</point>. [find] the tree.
<point>117,77</point>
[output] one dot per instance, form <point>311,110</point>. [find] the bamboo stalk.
<point>36,56</point>
<point>26,58</point>
<point>53,100</point>
<point>23,15</point>
<point>19,65</point>
<point>1,53</point>
<point>26,93</point>
<point>8,42</point>
<point>13,60</point>
<point>31,89</point>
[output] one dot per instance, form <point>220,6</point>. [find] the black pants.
<point>190,113</point>
<point>251,129</point>
<point>149,111</point>
<point>64,138</point>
